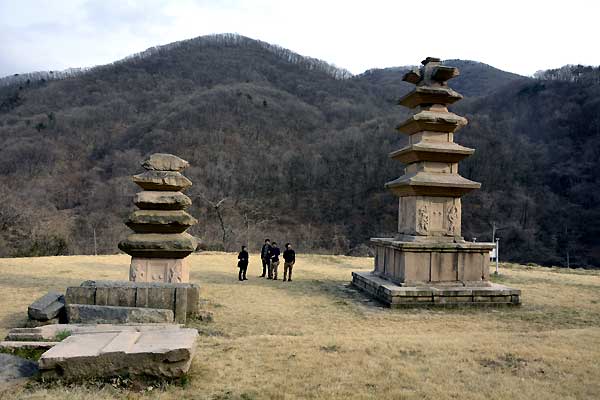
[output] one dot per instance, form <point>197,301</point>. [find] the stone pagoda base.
<point>398,296</point>
<point>425,271</point>
<point>170,270</point>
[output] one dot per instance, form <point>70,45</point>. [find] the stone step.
<point>10,346</point>
<point>50,332</point>
<point>160,353</point>
<point>94,314</point>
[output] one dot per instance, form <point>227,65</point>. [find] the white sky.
<point>518,36</point>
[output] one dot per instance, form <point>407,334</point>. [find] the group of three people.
<point>269,255</point>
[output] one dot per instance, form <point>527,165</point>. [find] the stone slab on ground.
<point>94,314</point>
<point>394,295</point>
<point>139,294</point>
<point>160,353</point>
<point>47,307</point>
<point>13,367</point>
<point>49,332</point>
<point>12,345</point>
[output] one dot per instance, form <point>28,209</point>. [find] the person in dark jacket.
<point>266,257</point>
<point>274,261</point>
<point>289,258</point>
<point>243,258</point>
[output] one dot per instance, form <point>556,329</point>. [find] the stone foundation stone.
<point>93,314</point>
<point>160,353</point>
<point>181,298</point>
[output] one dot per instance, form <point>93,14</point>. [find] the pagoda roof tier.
<point>160,221</point>
<point>435,121</point>
<point>431,184</point>
<point>443,73</point>
<point>432,151</point>
<point>422,95</point>
<point>157,245</point>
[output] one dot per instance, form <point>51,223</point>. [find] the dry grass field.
<point>316,338</point>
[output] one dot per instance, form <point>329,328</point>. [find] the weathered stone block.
<point>120,296</point>
<point>156,353</point>
<point>93,314</point>
<point>102,296</point>
<point>80,295</point>
<point>444,267</point>
<point>161,297</point>
<point>47,307</point>
<point>181,307</point>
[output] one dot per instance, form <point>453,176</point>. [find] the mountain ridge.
<point>296,153</point>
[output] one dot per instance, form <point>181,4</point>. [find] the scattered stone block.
<point>47,307</point>
<point>160,353</point>
<point>13,367</point>
<point>93,314</point>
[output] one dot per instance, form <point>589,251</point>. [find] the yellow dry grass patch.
<point>315,338</point>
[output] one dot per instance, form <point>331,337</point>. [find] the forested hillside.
<point>296,147</point>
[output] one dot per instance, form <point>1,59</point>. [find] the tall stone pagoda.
<point>159,244</point>
<point>428,262</point>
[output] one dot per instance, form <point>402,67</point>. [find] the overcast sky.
<point>519,36</point>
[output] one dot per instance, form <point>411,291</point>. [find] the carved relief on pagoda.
<point>423,220</point>
<point>452,217</point>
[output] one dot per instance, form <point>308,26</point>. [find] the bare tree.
<point>217,206</point>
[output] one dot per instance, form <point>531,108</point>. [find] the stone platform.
<point>400,295</point>
<point>181,298</point>
<point>161,353</point>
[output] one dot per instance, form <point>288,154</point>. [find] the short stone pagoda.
<point>159,244</point>
<point>428,262</point>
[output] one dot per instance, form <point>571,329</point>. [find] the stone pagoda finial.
<point>159,243</point>
<point>431,187</point>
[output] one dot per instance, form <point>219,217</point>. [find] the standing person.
<point>289,258</point>
<point>265,256</point>
<point>274,261</point>
<point>243,258</point>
